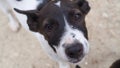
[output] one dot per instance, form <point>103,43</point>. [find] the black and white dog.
<point>58,24</point>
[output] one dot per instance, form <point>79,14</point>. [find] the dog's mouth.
<point>76,60</point>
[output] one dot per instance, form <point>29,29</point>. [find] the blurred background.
<point>22,50</point>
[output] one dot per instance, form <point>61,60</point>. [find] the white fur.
<point>58,3</point>
<point>68,36</point>
<point>64,65</point>
<point>46,47</point>
<point>8,5</point>
<point>7,9</point>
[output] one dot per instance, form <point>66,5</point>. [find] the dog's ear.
<point>84,6</point>
<point>32,16</point>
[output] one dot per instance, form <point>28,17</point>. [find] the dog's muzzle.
<point>74,52</point>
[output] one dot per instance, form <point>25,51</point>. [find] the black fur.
<point>84,6</point>
<point>77,66</point>
<point>40,6</point>
<point>116,64</point>
<point>18,0</point>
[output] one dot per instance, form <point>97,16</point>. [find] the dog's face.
<point>62,24</point>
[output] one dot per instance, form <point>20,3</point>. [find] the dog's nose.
<point>74,51</point>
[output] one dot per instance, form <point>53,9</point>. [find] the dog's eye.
<point>77,16</point>
<point>49,27</point>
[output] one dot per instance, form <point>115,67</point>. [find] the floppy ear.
<point>84,6</point>
<point>32,16</point>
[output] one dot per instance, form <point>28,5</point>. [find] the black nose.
<point>74,50</point>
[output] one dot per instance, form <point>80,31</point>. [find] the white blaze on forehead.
<point>58,3</point>
<point>69,37</point>
<point>78,35</point>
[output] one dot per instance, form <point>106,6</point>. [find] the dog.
<point>59,26</point>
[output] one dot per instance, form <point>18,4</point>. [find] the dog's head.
<point>62,23</point>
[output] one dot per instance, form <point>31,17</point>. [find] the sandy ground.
<point>22,49</point>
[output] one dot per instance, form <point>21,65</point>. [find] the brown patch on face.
<point>48,21</point>
<point>82,5</point>
<point>75,12</point>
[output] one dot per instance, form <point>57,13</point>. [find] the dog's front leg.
<point>7,9</point>
<point>64,65</point>
<point>13,21</point>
